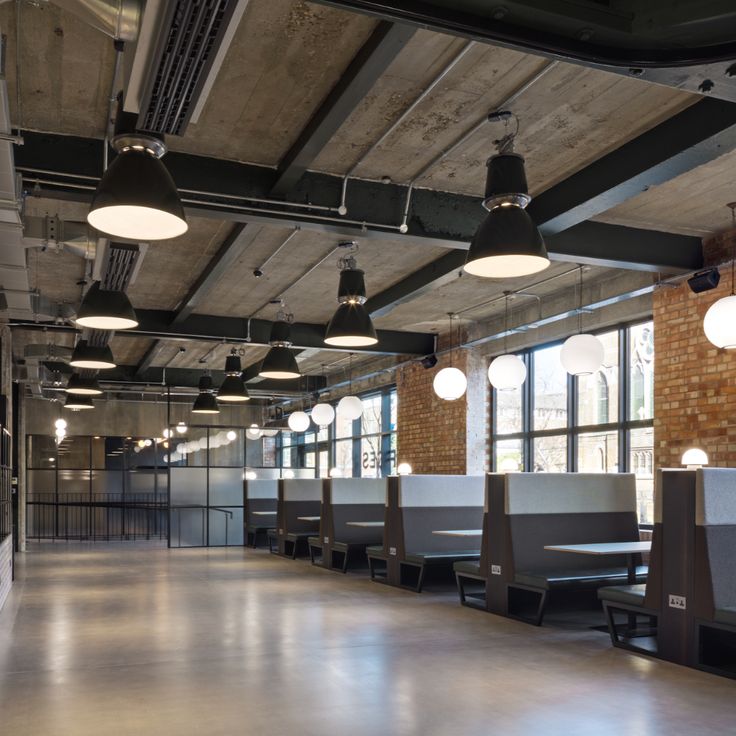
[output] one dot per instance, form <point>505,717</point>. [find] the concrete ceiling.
<point>285,58</point>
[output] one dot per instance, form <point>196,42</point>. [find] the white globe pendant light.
<point>450,383</point>
<point>323,415</point>
<point>350,407</point>
<point>507,372</point>
<point>253,432</point>
<point>299,421</point>
<point>719,323</point>
<point>582,355</point>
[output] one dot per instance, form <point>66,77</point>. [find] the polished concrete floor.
<point>125,640</point>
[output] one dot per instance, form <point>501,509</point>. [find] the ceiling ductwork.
<point>60,235</point>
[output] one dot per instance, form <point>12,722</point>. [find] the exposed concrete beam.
<point>212,328</point>
<point>368,65</point>
<point>228,253</point>
<point>591,243</point>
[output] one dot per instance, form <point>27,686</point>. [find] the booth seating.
<point>541,509</point>
<point>260,499</point>
<point>642,599</point>
<point>297,497</point>
<point>418,505</point>
<point>344,500</point>
<point>714,646</point>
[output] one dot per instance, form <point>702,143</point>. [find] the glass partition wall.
<point>598,423</point>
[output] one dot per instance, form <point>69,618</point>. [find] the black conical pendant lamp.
<point>232,388</point>
<point>351,325</point>
<point>83,385</point>
<point>136,198</point>
<point>78,403</point>
<point>280,362</point>
<point>507,244</point>
<point>106,310</point>
<point>205,403</point>
<point>93,357</point>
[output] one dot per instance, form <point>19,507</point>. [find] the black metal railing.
<point>96,516</point>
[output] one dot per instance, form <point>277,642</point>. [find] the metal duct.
<point>51,232</point>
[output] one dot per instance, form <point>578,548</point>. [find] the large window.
<point>364,448</point>
<point>602,423</point>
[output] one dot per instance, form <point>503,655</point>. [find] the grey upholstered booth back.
<point>300,497</point>
<point>715,513</point>
<point>260,495</point>
<point>569,508</point>
<point>435,502</point>
<point>358,499</point>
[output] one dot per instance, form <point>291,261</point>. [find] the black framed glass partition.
<point>603,422</point>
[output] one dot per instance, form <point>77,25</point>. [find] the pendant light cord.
<point>732,205</point>
<point>506,327</point>
<point>452,342</point>
<point>580,304</point>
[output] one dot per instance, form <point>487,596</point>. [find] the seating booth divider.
<point>259,496</point>
<point>416,506</point>
<point>348,500</point>
<point>297,497</point>
<point>528,511</point>
<point>714,572</point>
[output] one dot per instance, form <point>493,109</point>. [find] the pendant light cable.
<point>580,303</point>
<point>732,206</point>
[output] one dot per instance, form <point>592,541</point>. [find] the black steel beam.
<point>593,243</point>
<point>228,253</point>
<point>588,34</point>
<point>158,324</point>
<point>368,65</point>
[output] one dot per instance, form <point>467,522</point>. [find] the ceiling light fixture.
<point>506,372</point>
<point>136,198</point>
<point>694,458</point>
<point>719,324</point>
<point>232,388</point>
<point>83,385</point>
<point>280,362</point>
<point>299,421</point>
<point>351,325</point>
<point>253,432</point>
<point>103,309</point>
<point>582,354</point>
<point>77,403</point>
<point>450,383</point>
<point>205,403</point>
<point>94,357</point>
<point>507,244</point>
<point>323,415</point>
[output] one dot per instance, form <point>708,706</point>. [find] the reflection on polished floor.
<point>131,640</point>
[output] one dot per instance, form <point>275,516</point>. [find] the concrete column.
<point>22,473</point>
<point>477,419</point>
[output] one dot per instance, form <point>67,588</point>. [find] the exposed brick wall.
<point>694,382</point>
<point>431,432</point>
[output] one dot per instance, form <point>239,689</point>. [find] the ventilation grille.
<point>185,54</point>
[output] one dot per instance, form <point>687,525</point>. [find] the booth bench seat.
<point>421,560</point>
<point>294,539</point>
<point>468,570</point>
<point>347,551</point>
<point>630,595</point>
<point>725,615</point>
<point>576,578</point>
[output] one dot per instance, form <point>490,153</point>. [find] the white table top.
<point>366,524</point>
<point>308,518</point>
<point>602,548</point>
<point>459,532</point>
<point>264,513</point>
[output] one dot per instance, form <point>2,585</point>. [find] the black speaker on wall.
<point>704,280</point>
<point>430,361</point>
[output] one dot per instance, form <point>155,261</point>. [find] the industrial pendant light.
<point>719,324</point>
<point>508,243</point>
<point>507,372</point>
<point>83,385</point>
<point>232,388</point>
<point>582,354</point>
<point>106,310</point>
<point>450,383</point>
<point>78,403</point>
<point>350,407</point>
<point>136,198</point>
<point>205,403</point>
<point>351,326</point>
<point>94,357</point>
<point>280,362</point>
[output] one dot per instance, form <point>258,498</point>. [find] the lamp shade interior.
<point>92,357</point>
<point>233,390</point>
<point>351,327</point>
<point>279,363</point>
<point>106,310</point>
